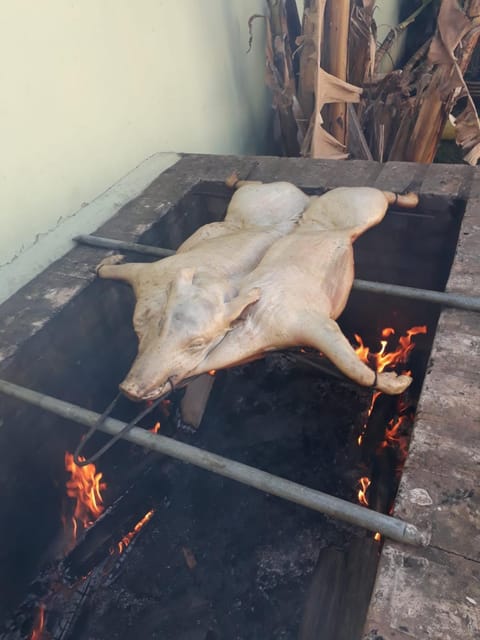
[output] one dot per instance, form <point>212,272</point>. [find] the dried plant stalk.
<point>408,109</point>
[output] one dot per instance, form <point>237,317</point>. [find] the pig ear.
<point>237,306</point>
<point>184,278</point>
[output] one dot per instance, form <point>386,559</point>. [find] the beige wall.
<point>90,88</point>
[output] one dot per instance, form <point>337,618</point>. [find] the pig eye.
<point>197,344</point>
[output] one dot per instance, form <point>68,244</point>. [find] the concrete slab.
<point>434,593</point>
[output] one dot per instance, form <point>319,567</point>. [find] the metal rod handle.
<point>469,303</point>
<point>457,301</point>
<point>392,528</point>
<point>108,243</point>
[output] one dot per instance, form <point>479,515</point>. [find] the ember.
<point>37,631</point>
<point>126,540</point>
<point>85,486</point>
<point>155,428</point>
<point>362,492</point>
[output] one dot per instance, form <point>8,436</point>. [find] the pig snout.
<point>136,391</point>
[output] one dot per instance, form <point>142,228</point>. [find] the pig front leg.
<point>111,269</point>
<point>325,335</point>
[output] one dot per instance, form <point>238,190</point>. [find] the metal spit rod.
<point>457,301</point>
<point>392,528</point>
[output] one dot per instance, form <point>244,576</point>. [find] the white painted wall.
<point>91,88</point>
<point>386,15</point>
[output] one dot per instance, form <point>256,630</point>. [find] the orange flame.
<point>377,536</point>
<point>85,486</point>
<point>212,372</point>
<point>125,541</point>
<point>37,630</point>
<point>383,358</point>
<point>362,351</point>
<point>362,492</point>
<point>155,428</point>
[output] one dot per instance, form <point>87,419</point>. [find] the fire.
<point>392,432</point>
<point>212,372</point>
<point>383,358</point>
<point>362,492</point>
<point>85,486</point>
<point>362,351</point>
<point>395,431</point>
<point>37,630</point>
<point>125,541</point>
<point>387,332</point>
<point>155,428</point>
<point>377,537</point>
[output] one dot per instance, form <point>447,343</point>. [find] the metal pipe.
<point>469,303</point>
<point>456,301</point>
<point>108,243</point>
<point>335,507</point>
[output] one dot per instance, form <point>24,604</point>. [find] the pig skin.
<point>304,281</point>
<point>196,290</point>
<point>256,282</point>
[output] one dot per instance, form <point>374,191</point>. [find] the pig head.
<point>198,313</point>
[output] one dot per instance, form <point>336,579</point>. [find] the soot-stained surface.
<point>223,561</point>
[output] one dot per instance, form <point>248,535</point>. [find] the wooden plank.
<point>195,400</point>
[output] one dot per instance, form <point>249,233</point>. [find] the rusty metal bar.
<point>108,243</point>
<point>453,300</point>
<point>388,526</point>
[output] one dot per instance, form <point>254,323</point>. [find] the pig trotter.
<point>406,200</point>
<point>392,384</point>
<point>109,261</point>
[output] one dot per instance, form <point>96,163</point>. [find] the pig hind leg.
<point>324,334</point>
<point>109,268</point>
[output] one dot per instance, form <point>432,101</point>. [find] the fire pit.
<point>176,552</point>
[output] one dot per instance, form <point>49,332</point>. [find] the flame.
<point>155,428</point>
<point>387,332</point>
<point>125,541</point>
<point>212,372</point>
<point>37,630</point>
<point>362,351</point>
<point>383,358</point>
<point>377,537</point>
<point>391,433</point>
<point>362,492</point>
<point>85,486</point>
